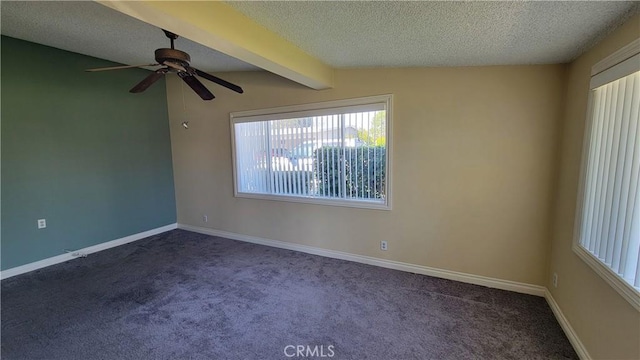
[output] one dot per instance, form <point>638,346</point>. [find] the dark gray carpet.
<point>182,295</point>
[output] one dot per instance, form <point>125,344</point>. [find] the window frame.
<point>318,109</point>
<point>599,76</point>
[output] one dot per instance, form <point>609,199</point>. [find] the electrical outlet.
<point>205,218</point>
<point>42,223</point>
<point>555,280</point>
<point>383,245</point>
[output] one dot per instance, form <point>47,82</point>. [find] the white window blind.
<point>329,153</point>
<point>609,220</point>
<point>610,224</point>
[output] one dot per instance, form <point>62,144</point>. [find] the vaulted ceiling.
<point>305,40</point>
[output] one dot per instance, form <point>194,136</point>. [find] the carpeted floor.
<point>182,295</point>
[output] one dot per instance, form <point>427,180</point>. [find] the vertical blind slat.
<point>630,268</point>
<point>606,152</point>
<point>599,163</point>
<point>623,177</point>
<point>591,171</point>
<point>614,183</point>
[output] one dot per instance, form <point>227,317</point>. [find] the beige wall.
<point>607,324</point>
<point>473,167</point>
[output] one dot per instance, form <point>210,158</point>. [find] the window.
<point>608,220</point>
<point>334,153</point>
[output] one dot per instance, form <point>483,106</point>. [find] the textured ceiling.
<point>425,33</point>
<point>92,29</point>
<point>342,33</point>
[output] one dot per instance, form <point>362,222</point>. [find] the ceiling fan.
<point>176,61</point>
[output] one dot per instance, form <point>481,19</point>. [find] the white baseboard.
<point>390,264</point>
<point>86,251</point>
<point>578,346</point>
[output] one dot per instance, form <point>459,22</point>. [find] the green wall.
<point>79,150</point>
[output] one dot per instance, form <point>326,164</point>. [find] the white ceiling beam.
<point>218,26</point>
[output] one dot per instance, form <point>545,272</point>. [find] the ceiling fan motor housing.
<point>174,55</point>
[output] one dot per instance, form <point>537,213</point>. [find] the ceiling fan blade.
<point>196,85</point>
<point>149,80</point>
<point>119,67</point>
<point>218,81</point>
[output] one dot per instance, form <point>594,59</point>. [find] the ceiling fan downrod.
<point>171,36</point>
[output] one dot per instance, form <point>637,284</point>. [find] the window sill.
<point>622,287</point>
<point>361,204</point>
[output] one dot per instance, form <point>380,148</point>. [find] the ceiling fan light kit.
<point>176,61</point>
